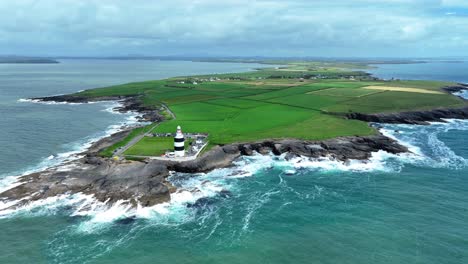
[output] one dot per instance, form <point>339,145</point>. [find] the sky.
<point>281,28</point>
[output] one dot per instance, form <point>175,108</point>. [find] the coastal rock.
<point>145,183</point>
<point>218,157</point>
<point>340,148</point>
<point>106,180</point>
<point>246,150</point>
<point>413,117</point>
<point>129,103</point>
<point>73,98</point>
<point>454,89</point>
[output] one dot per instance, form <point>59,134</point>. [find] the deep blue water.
<point>392,209</point>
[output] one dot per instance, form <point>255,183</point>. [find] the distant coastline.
<point>259,59</point>
<point>26,60</point>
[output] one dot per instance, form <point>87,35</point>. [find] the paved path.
<point>135,140</point>
<point>132,142</point>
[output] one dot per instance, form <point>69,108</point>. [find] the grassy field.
<point>287,102</point>
<point>153,146</point>
<point>108,152</point>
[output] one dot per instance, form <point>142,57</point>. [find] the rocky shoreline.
<point>129,103</point>
<point>457,88</point>
<point>418,117</point>
<point>144,182</point>
<point>413,117</point>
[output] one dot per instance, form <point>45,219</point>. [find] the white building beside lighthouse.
<point>179,143</point>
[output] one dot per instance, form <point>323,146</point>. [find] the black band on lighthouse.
<point>178,148</point>
<point>178,139</point>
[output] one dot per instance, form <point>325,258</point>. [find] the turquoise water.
<point>392,209</point>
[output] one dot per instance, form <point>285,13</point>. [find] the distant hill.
<point>22,59</point>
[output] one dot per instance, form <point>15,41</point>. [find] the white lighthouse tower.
<point>179,143</point>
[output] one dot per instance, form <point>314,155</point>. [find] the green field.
<point>153,146</point>
<point>108,152</point>
<point>302,100</point>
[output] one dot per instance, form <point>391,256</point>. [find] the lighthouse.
<point>179,143</point>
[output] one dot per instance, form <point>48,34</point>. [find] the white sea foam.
<point>376,162</point>
<point>8,183</point>
<point>462,93</point>
<point>38,101</point>
<point>99,214</point>
<point>39,207</point>
<point>424,142</point>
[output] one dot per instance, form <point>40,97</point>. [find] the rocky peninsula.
<point>145,182</point>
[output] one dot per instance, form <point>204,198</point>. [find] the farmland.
<point>296,101</point>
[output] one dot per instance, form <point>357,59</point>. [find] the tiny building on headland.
<point>179,143</point>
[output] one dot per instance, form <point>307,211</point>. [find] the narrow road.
<point>132,142</point>
<point>169,111</point>
<point>135,140</point>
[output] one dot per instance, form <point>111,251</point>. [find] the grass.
<point>338,92</point>
<point>391,101</point>
<point>153,146</point>
<point>290,102</point>
<point>308,101</point>
<point>200,111</point>
<point>109,152</point>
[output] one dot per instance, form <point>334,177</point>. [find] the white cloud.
<point>231,27</point>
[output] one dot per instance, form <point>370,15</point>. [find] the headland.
<point>315,110</point>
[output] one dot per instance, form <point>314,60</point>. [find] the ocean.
<point>391,209</point>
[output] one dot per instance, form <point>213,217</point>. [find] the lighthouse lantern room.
<point>179,143</point>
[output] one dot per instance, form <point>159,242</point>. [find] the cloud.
<point>233,27</point>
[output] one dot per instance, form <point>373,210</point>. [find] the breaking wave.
<point>462,93</point>
<point>424,141</point>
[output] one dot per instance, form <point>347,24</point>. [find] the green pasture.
<point>392,101</point>
<point>288,102</point>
